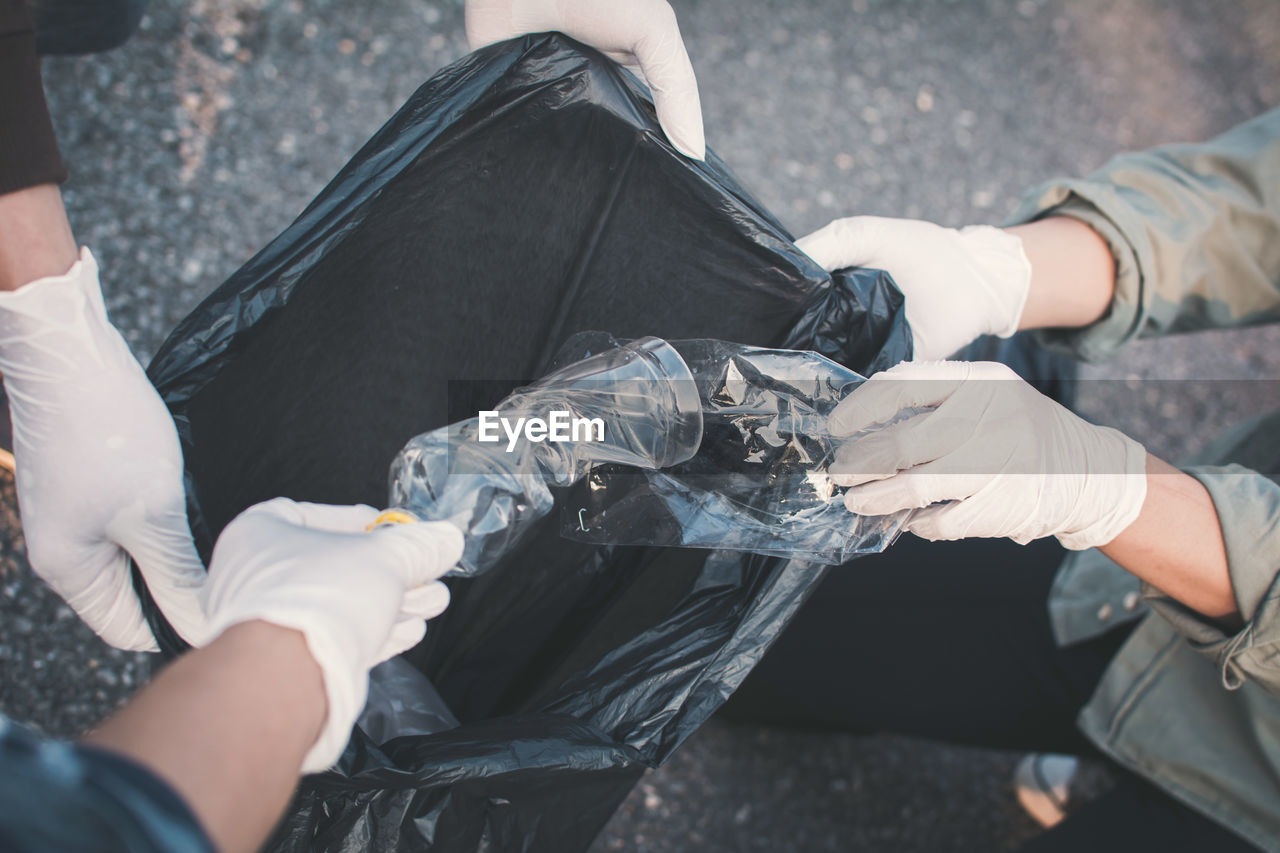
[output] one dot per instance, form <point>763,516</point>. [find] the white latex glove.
<point>99,467</point>
<point>357,597</point>
<point>958,284</point>
<point>991,457</point>
<point>641,34</point>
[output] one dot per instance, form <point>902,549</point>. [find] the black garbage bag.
<point>522,195</point>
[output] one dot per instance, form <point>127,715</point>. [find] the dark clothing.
<point>28,149</point>
<point>66,27</point>
<point>67,797</point>
<point>952,641</point>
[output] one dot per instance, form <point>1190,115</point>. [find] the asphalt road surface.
<point>203,137</point>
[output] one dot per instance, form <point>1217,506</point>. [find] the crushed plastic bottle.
<point>492,488</point>
<point>702,444</point>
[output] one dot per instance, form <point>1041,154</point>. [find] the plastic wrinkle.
<point>403,703</point>
<point>758,482</point>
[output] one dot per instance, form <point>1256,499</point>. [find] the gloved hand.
<point>958,284</point>
<point>357,597</point>
<point>99,467</point>
<point>990,457</point>
<point>641,34</point>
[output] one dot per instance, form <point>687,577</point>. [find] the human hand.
<point>958,284</point>
<point>358,597</point>
<point>641,34</point>
<point>99,467</point>
<point>990,457</point>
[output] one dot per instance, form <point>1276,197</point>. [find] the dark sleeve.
<point>56,796</point>
<point>28,149</point>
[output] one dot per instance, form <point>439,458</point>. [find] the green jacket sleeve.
<point>1232,469</point>
<point>1195,232</point>
<point>1248,506</point>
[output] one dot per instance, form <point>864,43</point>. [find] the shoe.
<point>1043,784</point>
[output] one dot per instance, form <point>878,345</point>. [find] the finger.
<point>487,22</point>
<point>904,386</point>
<point>404,635</point>
<point>278,508</point>
<point>95,583</point>
<point>647,31</point>
<point>124,626</point>
<point>919,487</point>
<point>355,518</point>
<point>944,522</point>
<point>951,440</point>
<point>876,455</point>
<point>426,550</point>
<point>664,62</point>
<point>841,243</point>
<point>426,602</point>
<point>109,606</point>
<point>886,497</point>
<point>836,245</point>
<point>127,629</point>
<point>162,547</point>
<point>996,510</point>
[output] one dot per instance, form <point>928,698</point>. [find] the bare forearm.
<point>1072,273</point>
<point>227,726</point>
<point>35,236</point>
<point>1176,543</point>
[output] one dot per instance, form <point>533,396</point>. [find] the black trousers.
<point>951,640</point>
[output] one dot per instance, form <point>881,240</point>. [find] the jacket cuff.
<point>1248,507</point>
<point>1100,207</point>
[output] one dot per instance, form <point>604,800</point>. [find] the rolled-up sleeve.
<point>1194,230</point>
<point>1248,507</point>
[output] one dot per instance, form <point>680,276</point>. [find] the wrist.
<point>1004,273</point>
<point>330,664</point>
<point>1115,489</point>
<point>283,651</point>
<point>1072,273</point>
<point>67,303</point>
<point>35,236</point>
<point>1176,544</point>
